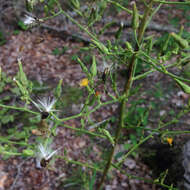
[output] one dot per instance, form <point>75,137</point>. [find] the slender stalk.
<point>154,64</point>
<point>134,148</point>
<point>83,114</point>
<point>3,140</point>
<point>18,108</point>
<point>173,2</point>
<point>75,22</point>
<point>79,163</point>
<point>52,16</point>
<point>121,7</point>
<point>85,131</point>
<point>126,91</point>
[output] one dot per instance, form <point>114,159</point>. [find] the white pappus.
<point>43,155</point>
<point>45,105</point>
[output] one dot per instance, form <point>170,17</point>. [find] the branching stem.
<point>127,87</point>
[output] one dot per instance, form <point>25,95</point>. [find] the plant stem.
<point>18,108</point>
<point>79,163</point>
<point>127,87</point>
<point>75,22</point>
<point>175,2</point>
<point>134,148</point>
<point>85,131</point>
<point>154,64</point>
<point>120,6</point>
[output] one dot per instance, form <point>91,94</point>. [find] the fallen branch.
<point>152,26</point>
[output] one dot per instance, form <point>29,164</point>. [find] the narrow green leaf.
<point>58,89</point>
<point>129,46</point>
<point>108,135</point>
<point>22,77</point>
<point>28,152</point>
<point>0,73</point>
<point>83,67</point>
<point>119,31</point>
<point>135,19</point>
<point>182,42</point>
<point>75,4</point>
<point>21,88</point>
<point>93,69</point>
<point>183,86</point>
<point>101,47</point>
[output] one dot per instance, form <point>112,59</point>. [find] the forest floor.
<point>46,58</point>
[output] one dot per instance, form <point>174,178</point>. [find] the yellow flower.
<point>84,82</point>
<point>169,140</point>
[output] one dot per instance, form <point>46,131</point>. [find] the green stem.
<point>11,153</point>
<point>84,114</point>
<point>79,163</point>
<point>50,17</point>
<point>177,63</point>
<point>171,2</point>
<point>126,91</point>
<point>4,140</point>
<point>66,118</point>
<point>120,6</point>
<point>175,132</point>
<point>18,108</point>
<point>75,22</point>
<point>134,148</point>
<point>154,63</point>
<point>85,131</point>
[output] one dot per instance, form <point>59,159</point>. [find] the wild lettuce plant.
<point>128,56</point>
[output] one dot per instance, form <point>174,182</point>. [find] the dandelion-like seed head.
<point>43,155</point>
<point>45,104</point>
<point>28,20</point>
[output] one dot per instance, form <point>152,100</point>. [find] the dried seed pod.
<point>44,162</point>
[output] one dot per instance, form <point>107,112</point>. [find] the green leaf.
<point>56,51</point>
<point>0,73</point>
<point>75,4</point>
<point>28,152</point>
<point>182,42</point>
<point>22,77</point>
<point>135,19</point>
<point>119,31</point>
<point>22,89</point>
<point>183,86</point>
<point>58,89</point>
<point>129,46</point>
<point>22,25</point>
<point>83,67</point>
<point>93,69</point>
<point>108,135</point>
<point>20,135</point>
<point>7,118</point>
<point>101,47</point>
